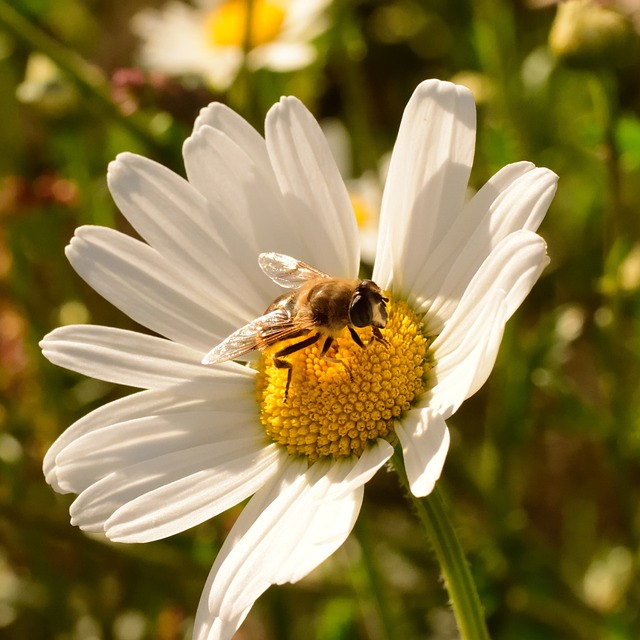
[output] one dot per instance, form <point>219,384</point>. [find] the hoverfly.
<point>318,306</point>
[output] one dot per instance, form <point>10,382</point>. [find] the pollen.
<point>227,24</point>
<point>337,406</point>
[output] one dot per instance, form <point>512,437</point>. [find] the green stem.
<point>87,77</point>
<point>455,568</point>
<point>347,35</point>
<point>248,29</point>
<point>242,92</point>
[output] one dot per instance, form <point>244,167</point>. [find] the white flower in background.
<point>365,191</point>
<point>200,439</point>
<point>208,40</point>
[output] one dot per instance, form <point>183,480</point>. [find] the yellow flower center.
<point>227,24</point>
<point>336,408</point>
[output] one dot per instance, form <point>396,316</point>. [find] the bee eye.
<point>368,306</point>
<point>360,313</point>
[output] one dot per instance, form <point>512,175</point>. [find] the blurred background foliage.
<point>543,477</point>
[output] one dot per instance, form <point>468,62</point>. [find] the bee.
<point>317,307</point>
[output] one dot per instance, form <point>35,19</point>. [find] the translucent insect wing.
<point>252,336</point>
<point>287,271</point>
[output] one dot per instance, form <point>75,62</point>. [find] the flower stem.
<point>347,46</point>
<point>455,568</point>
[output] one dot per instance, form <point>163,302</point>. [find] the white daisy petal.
<point>513,266</point>
<point>179,473</point>
<point>424,437</point>
<point>517,197</point>
<point>221,118</point>
<point>467,347</point>
<point>209,625</point>
<point>337,507</point>
<point>137,405</point>
<point>285,531</point>
<point>465,351</point>
<point>138,360</point>
<point>313,189</point>
<point>135,279</point>
<point>220,629</point>
<point>168,494</point>
<point>248,194</point>
<point>175,219</point>
<point>227,177</point>
<point>224,480</point>
<point>426,183</point>
<point>270,222</point>
<point>123,444</point>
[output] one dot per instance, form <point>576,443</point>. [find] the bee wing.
<point>287,271</point>
<point>258,334</point>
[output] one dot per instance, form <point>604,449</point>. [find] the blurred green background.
<point>543,476</point>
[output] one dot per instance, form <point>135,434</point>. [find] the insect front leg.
<point>356,338</point>
<point>323,354</point>
<point>378,337</point>
<point>287,351</point>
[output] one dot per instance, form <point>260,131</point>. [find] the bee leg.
<point>378,337</point>
<point>325,347</point>
<point>356,337</point>
<point>287,351</point>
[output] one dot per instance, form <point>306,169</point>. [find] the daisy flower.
<point>209,40</point>
<point>199,439</point>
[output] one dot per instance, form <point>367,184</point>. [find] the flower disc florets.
<point>335,408</point>
<point>227,23</point>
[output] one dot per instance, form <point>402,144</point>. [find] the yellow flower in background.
<point>208,40</point>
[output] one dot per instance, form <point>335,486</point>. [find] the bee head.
<point>368,306</point>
